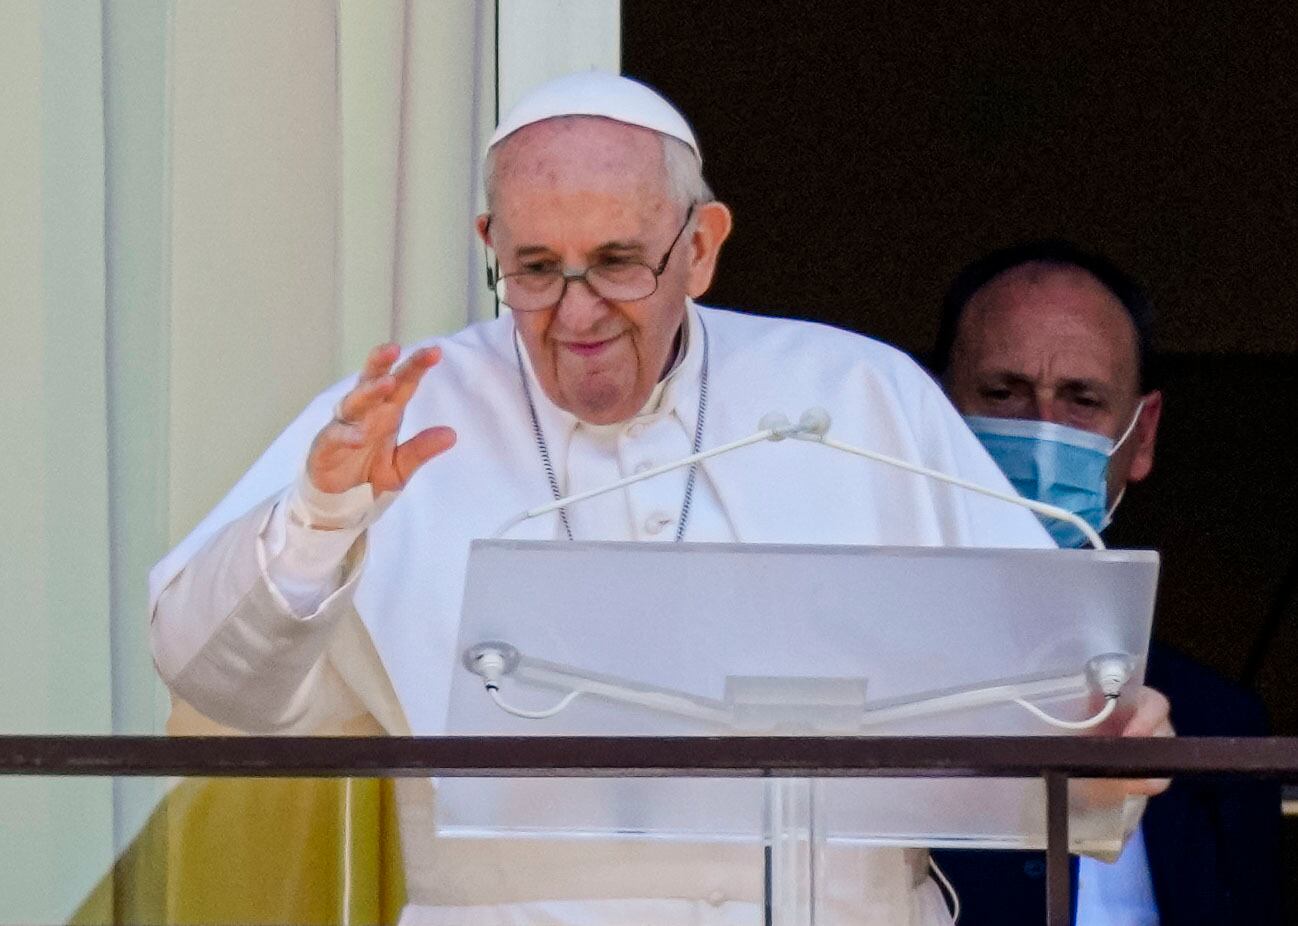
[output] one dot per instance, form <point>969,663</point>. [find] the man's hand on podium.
<point>1147,714</point>
<point>1152,717</point>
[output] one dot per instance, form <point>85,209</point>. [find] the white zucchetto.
<point>595,93</point>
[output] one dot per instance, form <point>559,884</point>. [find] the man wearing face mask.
<point>1045,349</point>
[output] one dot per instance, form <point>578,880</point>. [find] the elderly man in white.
<point>327,584</point>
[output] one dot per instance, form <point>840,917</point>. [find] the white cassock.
<point>383,640</point>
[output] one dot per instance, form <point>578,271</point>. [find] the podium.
<point>698,640</point>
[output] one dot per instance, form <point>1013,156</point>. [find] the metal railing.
<point>1055,759</point>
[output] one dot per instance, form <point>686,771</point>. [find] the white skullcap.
<point>594,93</point>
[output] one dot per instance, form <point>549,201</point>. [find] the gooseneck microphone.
<point>494,661</point>
<point>812,427</point>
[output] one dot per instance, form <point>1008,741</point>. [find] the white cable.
<point>927,705</point>
<point>1051,511</point>
<point>773,428</point>
<point>621,691</point>
<point>755,438</point>
<point>494,691</point>
<point>493,661</point>
<point>948,888</point>
<point>1110,702</point>
<point>812,427</point>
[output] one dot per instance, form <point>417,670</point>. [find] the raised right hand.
<point>359,446</point>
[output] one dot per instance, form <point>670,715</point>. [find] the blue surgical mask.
<point>1058,465</point>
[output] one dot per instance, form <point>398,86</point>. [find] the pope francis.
<point>326,586</point>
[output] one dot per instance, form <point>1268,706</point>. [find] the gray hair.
<point>684,172</point>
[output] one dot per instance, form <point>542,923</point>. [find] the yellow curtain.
<point>259,851</point>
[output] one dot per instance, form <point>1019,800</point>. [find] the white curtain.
<point>208,212</point>
<point>55,672</point>
<point>321,194</point>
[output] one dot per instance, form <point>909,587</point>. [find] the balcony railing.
<point>1053,759</point>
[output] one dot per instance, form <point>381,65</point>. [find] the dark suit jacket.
<point>1213,845</point>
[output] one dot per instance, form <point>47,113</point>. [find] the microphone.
<point>496,660</point>
<point>772,427</point>
<point>813,427</point>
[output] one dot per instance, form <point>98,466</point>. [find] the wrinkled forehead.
<point>1038,311</point>
<point>574,156</point>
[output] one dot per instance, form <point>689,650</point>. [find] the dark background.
<point>870,150</point>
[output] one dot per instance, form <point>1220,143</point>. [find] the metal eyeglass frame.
<point>495,278</point>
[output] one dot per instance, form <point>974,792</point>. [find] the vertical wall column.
<point>55,835</point>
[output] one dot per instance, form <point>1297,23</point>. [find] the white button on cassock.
<point>635,430</point>
<point>716,898</point>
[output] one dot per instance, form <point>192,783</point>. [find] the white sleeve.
<point>225,641</point>
<point>230,642</point>
<point>308,537</point>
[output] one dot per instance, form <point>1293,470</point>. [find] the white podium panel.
<point>699,639</point>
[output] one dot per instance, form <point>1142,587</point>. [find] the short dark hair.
<point>1059,253</point>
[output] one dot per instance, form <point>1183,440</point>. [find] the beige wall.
<point>539,41</point>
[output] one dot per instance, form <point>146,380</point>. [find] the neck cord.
<point>544,449</point>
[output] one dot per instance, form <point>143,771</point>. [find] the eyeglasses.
<point>615,280</point>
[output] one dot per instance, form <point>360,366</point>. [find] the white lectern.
<point>699,639</point>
